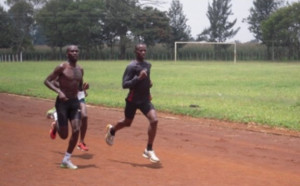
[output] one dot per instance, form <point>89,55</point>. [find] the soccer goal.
<point>205,43</point>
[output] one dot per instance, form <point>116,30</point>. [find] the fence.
<point>11,57</point>
<point>244,52</point>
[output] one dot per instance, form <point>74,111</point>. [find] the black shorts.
<point>67,110</point>
<point>82,100</point>
<point>130,108</point>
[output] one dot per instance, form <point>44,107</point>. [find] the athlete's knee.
<point>151,115</point>
<point>76,129</point>
<point>63,136</point>
<point>127,122</point>
<point>75,124</point>
<point>154,122</point>
<point>63,133</point>
<point>84,120</point>
<point>83,115</point>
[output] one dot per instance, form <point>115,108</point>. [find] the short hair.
<point>139,44</point>
<point>69,46</point>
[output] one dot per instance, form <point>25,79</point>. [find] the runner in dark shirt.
<point>139,89</point>
<point>137,78</point>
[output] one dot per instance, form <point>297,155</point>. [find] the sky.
<point>195,11</point>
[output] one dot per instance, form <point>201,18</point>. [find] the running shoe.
<point>52,131</point>
<point>50,113</point>
<point>149,154</point>
<point>82,146</point>
<point>108,137</point>
<point>68,164</point>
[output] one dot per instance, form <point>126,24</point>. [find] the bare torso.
<point>70,79</point>
<point>69,76</point>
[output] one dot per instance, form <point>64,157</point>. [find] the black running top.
<point>139,90</point>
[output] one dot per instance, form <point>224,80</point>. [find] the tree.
<point>118,19</point>
<point>180,31</point>
<point>151,26</point>
<point>76,22</point>
<point>53,19</point>
<point>220,28</point>
<point>86,26</point>
<point>260,11</point>
<point>36,34</point>
<point>34,3</point>
<point>282,29</point>
<point>6,29</point>
<point>21,14</point>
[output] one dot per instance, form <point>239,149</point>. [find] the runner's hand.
<point>143,74</point>
<point>62,96</point>
<point>85,86</point>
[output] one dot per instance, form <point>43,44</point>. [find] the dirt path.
<point>192,151</point>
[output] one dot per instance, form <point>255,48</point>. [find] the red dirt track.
<point>192,151</point>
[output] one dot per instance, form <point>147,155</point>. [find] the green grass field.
<point>259,92</point>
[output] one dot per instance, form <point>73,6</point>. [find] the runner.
<point>137,79</point>
<point>69,75</point>
<point>84,118</point>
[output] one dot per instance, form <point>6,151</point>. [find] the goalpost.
<point>205,43</point>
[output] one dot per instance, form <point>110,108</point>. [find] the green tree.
<point>85,24</point>
<point>260,11</point>
<point>37,35</point>
<point>6,29</point>
<point>76,22</point>
<point>54,19</point>
<point>68,21</point>
<point>21,14</point>
<point>180,31</point>
<point>282,29</point>
<point>220,28</point>
<point>118,20</point>
<point>151,26</point>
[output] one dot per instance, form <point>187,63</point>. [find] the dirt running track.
<point>192,151</point>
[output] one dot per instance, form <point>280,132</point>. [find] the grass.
<point>248,92</point>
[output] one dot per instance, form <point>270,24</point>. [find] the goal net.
<point>217,51</point>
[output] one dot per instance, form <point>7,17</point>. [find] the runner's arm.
<point>129,78</point>
<point>51,79</point>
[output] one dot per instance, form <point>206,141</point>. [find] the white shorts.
<point>80,95</point>
<point>55,116</point>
